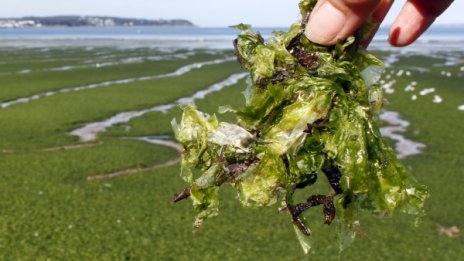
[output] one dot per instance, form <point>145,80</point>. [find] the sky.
<point>206,13</point>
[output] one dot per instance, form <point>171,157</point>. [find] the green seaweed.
<point>310,111</point>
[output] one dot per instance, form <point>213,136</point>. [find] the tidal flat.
<point>52,209</point>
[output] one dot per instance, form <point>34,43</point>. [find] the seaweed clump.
<point>310,112</point>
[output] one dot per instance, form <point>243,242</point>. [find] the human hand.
<point>333,20</point>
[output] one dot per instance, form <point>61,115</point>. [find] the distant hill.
<point>93,21</point>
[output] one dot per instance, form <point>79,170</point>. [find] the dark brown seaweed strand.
<point>304,22</point>
<point>183,195</point>
<point>240,58</point>
<point>329,208</point>
<point>237,168</point>
<point>316,200</point>
<point>312,201</point>
<point>309,128</point>
<point>279,76</point>
<point>321,122</point>
<point>286,163</point>
<point>308,60</point>
<point>234,169</point>
<point>329,211</point>
<point>297,221</point>
<point>297,209</point>
<point>333,176</point>
<point>318,125</point>
<point>296,40</point>
<point>294,43</point>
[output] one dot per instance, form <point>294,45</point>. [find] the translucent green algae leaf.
<point>310,111</point>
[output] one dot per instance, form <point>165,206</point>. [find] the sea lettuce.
<point>310,111</point>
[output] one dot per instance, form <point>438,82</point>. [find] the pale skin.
<point>334,20</point>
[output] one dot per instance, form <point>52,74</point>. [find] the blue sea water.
<point>181,37</point>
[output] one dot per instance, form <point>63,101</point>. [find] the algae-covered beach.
<point>88,167</point>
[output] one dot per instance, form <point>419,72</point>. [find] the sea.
<point>439,37</point>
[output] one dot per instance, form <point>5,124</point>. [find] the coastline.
<point>436,39</point>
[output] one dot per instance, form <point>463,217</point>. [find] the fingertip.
<point>325,23</point>
<point>335,20</point>
<point>411,23</point>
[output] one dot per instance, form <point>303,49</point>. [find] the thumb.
<point>333,20</point>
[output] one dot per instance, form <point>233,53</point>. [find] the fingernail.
<point>325,24</point>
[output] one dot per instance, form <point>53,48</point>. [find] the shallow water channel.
<point>90,131</point>
<point>396,127</point>
<point>182,70</point>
